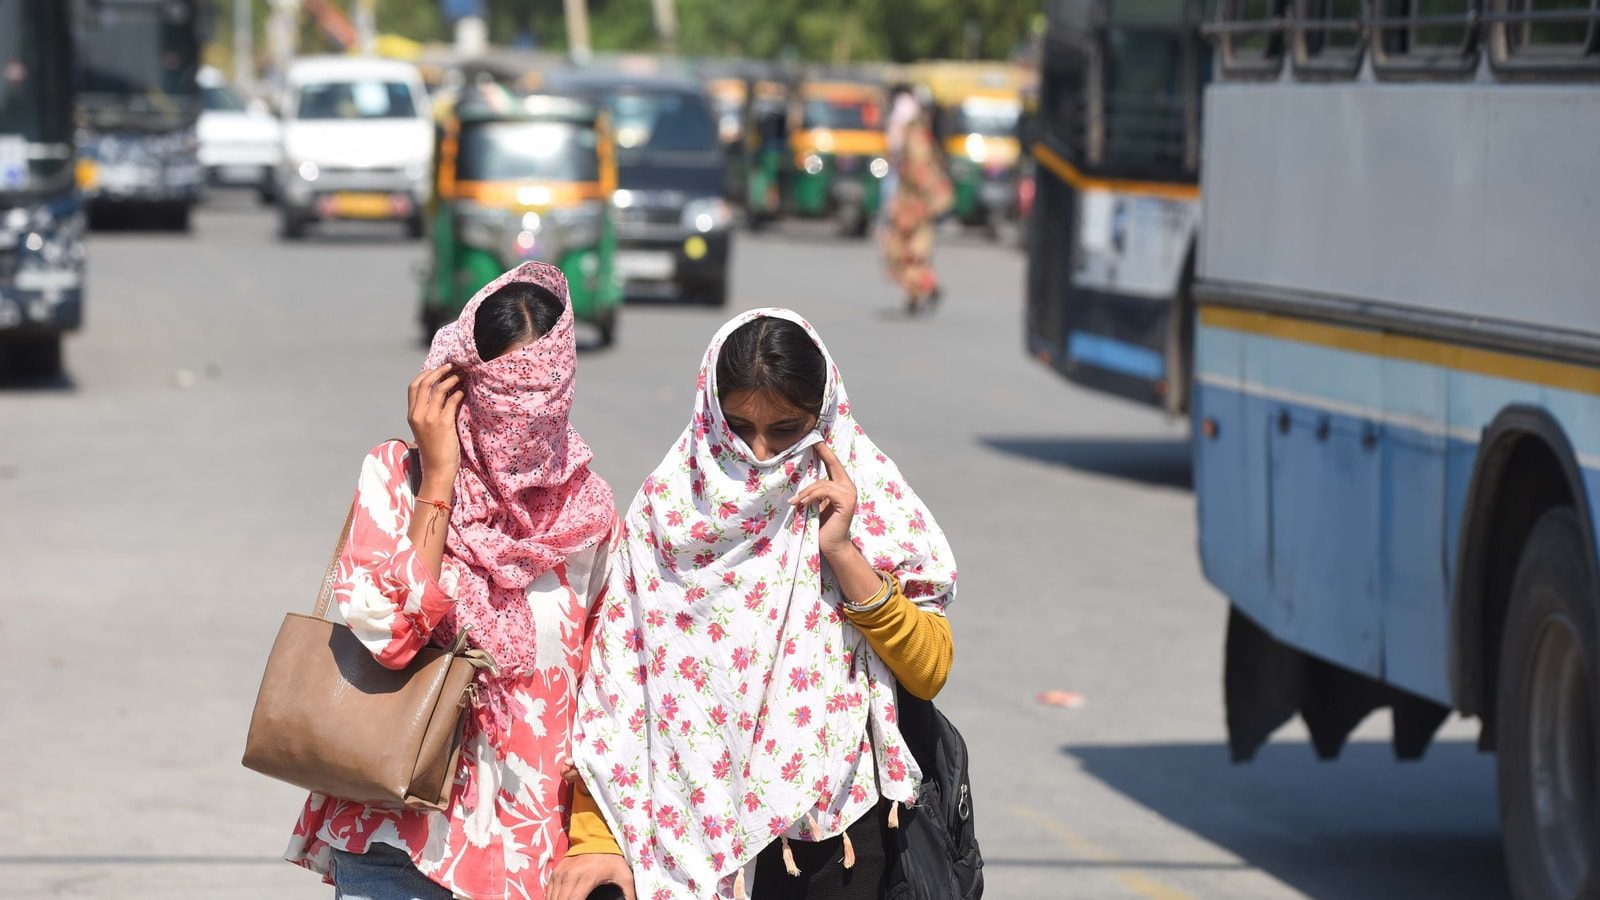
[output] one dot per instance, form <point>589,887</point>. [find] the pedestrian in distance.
<point>922,194</point>
<point>776,580</point>
<point>493,526</point>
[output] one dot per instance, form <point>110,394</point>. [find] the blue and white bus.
<point>1117,200</point>
<point>1397,415</point>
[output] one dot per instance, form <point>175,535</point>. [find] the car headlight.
<point>308,170</point>
<point>879,167</point>
<point>812,164</point>
<point>707,214</point>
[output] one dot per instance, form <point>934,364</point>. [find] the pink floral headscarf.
<point>525,497</point>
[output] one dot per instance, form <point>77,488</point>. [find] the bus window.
<point>1433,36</point>
<point>1545,35</point>
<point>1252,36</point>
<point>1328,36</point>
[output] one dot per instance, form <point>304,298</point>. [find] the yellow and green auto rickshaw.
<point>517,178</point>
<point>978,106</point>
<point>838,153</point>
<point>765,151</point>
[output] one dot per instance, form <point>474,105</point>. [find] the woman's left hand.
<point>835,499</point>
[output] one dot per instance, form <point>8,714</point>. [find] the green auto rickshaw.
<point>522,177</point>
<point>839,153</point>
<point>766,151</point>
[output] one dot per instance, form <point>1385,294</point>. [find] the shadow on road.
<point>1360,828</point>
<point>1161,461</point>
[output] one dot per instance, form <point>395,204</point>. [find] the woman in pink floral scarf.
<point>776,578</point>
<point>504,534</point>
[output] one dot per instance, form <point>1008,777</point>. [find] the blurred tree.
<point>820,30</point>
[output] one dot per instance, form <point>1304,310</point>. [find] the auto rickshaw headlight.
<point>977,148</point>
<point>812,164</point>
<point>879,167</point>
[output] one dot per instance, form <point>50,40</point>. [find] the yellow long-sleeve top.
<point>913,642</point>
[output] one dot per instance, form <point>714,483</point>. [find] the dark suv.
<point>674,226</point>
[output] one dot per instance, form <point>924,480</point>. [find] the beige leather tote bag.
<point>330,719</point>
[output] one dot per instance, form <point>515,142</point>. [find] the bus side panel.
<point>1417,544</point>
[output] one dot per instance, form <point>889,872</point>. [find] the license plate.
<point>362,206</point>
<point>248,174</point>
<point>645,266</point>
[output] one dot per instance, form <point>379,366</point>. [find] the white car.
<point>357,143</point>
<point>240,143</point>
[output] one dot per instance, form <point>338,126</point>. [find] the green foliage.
<point>822,30</point>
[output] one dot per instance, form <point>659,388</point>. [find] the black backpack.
<point>937,856</point>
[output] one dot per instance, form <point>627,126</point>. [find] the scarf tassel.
<point>738,885</point>
<point>849,852</point>
<point>788,859</point>
<point>894,814</point>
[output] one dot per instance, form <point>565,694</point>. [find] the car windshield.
<point>146,51</point>
<point>665,122</point>
<point>221,99</point>
<point>527,151</point>
<point>843,115</point>
<point>365,99</point>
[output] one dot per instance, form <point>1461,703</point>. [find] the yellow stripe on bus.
<point>1069,173</point>
<point>1428,351</point>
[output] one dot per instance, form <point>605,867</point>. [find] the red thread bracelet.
<point>440,505</point>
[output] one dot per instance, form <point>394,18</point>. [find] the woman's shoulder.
<point>387,466</point>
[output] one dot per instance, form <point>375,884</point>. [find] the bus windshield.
<point>139,55</point>
<point>35,98</point>
<point>527,151</point>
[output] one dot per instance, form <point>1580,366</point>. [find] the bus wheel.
<point>1547,716</point>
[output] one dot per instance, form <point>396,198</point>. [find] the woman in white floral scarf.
<point>777,578</point>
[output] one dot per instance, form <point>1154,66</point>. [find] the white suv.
<point>357,143</point>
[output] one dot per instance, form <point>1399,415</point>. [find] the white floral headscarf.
<point>728,701</point>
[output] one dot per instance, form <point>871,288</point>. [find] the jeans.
<point>382,873</point>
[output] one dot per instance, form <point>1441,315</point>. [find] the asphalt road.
<point>162,508</point>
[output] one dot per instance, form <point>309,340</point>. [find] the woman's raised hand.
<point>434,399</point>
<point>576,877</point>
<point>835,500</point>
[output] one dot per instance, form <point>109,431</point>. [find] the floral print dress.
<point>504,830</point>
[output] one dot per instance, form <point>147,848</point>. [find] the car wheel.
<point>1547,710</point>
<point>177,217</point>
<point>415,228</point>
<point>290,226</point>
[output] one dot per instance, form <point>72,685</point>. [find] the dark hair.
<point>516,313</point>
<point>777,355</point>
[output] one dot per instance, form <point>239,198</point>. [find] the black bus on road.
<point>138,103</point>
<point>41,217</point>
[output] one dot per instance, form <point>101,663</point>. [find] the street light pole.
<point>666,13</point>
<point>244,54</point>
<point>578,46</point>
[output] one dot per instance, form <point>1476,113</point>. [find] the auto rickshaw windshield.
<point>528,151</point>
<point>842,115</point>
